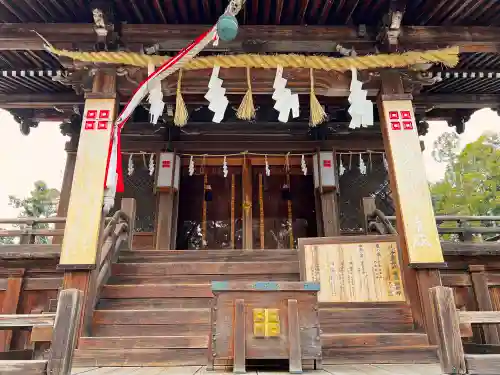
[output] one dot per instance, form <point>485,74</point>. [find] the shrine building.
<point>244,182</point>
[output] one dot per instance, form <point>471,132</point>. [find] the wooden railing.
<point>28,230</point>
<point>114,236</point>
<point>454,356</point>
<point>63,324</point>
<point>464,230</point>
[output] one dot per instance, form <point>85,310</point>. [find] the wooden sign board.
<point>83,223</point>
<point>353,269</point>
<point>416,221</point>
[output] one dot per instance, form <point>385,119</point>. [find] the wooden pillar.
<point>330,213</point>
<point>69,169</point>
<point>418,236</point>
<point>80,247</point>
<point>164,221</point>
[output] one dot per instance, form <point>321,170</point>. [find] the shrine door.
<point>283,207</point>
<point>210,209</point>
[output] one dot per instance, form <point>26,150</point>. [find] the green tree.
<point>471,185</point>
<point>41,203</point>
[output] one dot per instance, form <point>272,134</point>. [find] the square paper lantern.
<point>324,171</point>
<point>169,168</point>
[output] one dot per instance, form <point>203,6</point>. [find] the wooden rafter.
<point>273,39</point>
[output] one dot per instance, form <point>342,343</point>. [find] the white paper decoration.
<point>152,164</point>
<point>285,100</point>
<point>268,170</point>
<point>216,96</point>
<point>361,109</point>
<point>303,165</point>
<point>362,165</point>
<point>224,167</point>
<point>191,166</point>
<point>155,98</point>
<point>131,165</point>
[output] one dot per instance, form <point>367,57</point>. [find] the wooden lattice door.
<point>210,209</point>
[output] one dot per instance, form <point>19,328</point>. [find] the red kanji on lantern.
<point>104,114</point>
<point>165,164</point>
<point>91,114</point>
<point>393,115</point>
<point>327,163</point>
<point>406,115</point>
<point>395,125</point>
<point>102,125</point>
<point>407,125</point>
<point>89,125</point>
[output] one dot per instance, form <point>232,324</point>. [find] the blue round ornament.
<point>227,28</point>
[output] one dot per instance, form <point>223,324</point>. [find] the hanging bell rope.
<point>181,113</point>
<point>246,111</point>
<point>318,114</point>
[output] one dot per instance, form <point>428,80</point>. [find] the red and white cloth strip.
<point>114,171</point>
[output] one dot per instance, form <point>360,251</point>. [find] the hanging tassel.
<point>362,165</point>
<point>181,113</point>
<point>152,164</point>
<point>268,170</point>
<point>318,114</point>
<point>191,166</point>
<point>131,165</point>
<point>224,167</point>
<point>246,111</point>
<point>386,164</point>
<point>303,165</point>
<point>341,166</point>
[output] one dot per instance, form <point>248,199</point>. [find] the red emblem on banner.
<point>102,125</point>
<point>395,125</point>
<point>91,114</point>
<point>104,114</point>
<point>89,125</point>
<point>393,115</point>
<point>327,163</point>
<point>407,125</point>
<point>165,164</point>
<point>406,115</point>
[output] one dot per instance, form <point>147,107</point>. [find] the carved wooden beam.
<point>391,26</point>
<point>425,101</point>
<point>263,39</point>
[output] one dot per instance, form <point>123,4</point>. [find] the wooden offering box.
<point>264,320</point>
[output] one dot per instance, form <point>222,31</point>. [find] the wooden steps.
<point>155,357</point>
<point>155,311</point>
<point>395,318</point>
<point>381,354</point>
<point>143,342</point>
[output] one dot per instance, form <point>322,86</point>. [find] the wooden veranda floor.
<point>379,369</point>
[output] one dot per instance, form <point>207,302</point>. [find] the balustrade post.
<point>129,207</point>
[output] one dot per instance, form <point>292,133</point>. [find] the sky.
<point>41,155</point>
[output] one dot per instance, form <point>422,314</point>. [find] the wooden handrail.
<point>34,220</point>
<point>63,339</point>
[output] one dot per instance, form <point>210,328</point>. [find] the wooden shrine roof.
<point>259,12</point>
<point>27,71</point>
